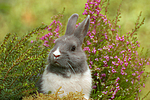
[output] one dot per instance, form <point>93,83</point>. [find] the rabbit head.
<point>67,56</point>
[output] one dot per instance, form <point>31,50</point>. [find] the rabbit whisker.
<point>71,68</point>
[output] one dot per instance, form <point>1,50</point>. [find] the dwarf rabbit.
<point>67,65</point>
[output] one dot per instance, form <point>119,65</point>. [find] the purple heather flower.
<point>91,62</point>
<point>85,12</point>
<point>113,96</point>
<point>96,74</point>
<point>133,74</point>
<point>116,57</point>
<point>110,46</point>
<point>88,42</point>
<point>105,62</point>
<point>98,68</point>
<point>96,59</point>
<point>140,64</point>
<point>106,36</point>
<point>112,29</point>
<point>91,37</point>
<point>45,41</point>
<point>117,37</point>
<point>94,50</point>
<point>105,20</point>
<point>118,87</point>
<point>94,87</point>
<point>129,59</point>
<point>122,51</point>
<point>139,77</point>
<point>141,72</point>
<point>122,38</point>
<point>126,64</point>
<point>31,41</point>
<point>50,33</point>
<point>103,75</point>
<point>121,62</point>
<point>54,41</point>
<point>105,92</point>
<point>132,81</point>
<point>147,63</point>
<point>129,50</point>
<point>42,38</point>
<point>106,57</point>
<point>122,72</point>
<point>92,22</point>
<point>113,70</point>
<point>137,72</point>
<point>49,29</point>
<point>86,49</point>
<point>123,68</point>
<point>113,63</point>
<point>90,66</point>
<point>117,79</point>
<point>127,42</point>
<point>117,84</point>
<point>46,45</point>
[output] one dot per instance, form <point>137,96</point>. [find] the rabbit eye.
<point>73,48</point>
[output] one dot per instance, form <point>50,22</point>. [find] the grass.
<point>22,16</point>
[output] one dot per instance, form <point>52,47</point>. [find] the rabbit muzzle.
<point>59,59</point>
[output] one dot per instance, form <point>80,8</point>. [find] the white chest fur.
<point>51,82</point>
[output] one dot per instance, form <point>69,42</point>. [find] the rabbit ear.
<point>71,24</point>
<point>82,29</point>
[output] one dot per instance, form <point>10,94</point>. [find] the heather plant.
<point>21,62</point>
<point>118,70</point>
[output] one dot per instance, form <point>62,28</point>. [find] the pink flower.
<point>126,64</point>
<point>105,62</point>
<point>46,45</point>
<point>43,38</point>
<point>90,66</point>
<point>88,42</point>
<point>86,49</point>
<point>133,74</point>
<point>106,36</point>
<point>31,41</point>
<point>105,20</point>
<point>91,37</point>
<point>103,75</point>
<point>113,70</point>
<point>91,62</point>
<point>117,79</point>
<point>85,12</point>
<point>94,87</point>
<point>96,59</point>
<point>127,42</point>
<point>113,63</point>
<point>49,29</point>
<point>94,50</point>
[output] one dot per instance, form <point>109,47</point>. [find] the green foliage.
<point>20,65</point>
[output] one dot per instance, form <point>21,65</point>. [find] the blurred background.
<point>21,16</point>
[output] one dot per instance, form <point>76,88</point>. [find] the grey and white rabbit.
<point>67,65</point>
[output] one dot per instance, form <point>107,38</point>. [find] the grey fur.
<point>69,62</point>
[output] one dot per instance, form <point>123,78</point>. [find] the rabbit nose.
<point>56,53</point>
